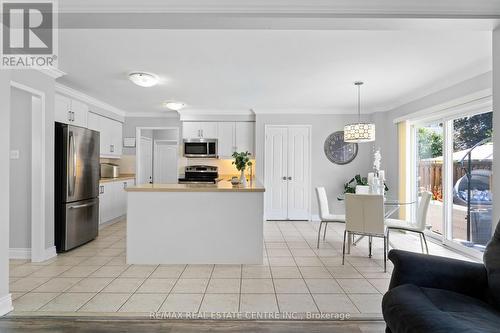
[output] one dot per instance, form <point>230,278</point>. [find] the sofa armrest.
<point>438,272</point>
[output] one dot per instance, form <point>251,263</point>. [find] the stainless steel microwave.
<point>200,148</point>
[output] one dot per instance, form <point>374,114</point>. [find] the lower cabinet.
<point>113,199</point>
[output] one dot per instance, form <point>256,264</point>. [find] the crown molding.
<point>165,114</point>
<point>421,8</point>
<point>54,73</point>
<point>60,88</point>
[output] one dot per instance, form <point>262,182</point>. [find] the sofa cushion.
<point>408,308</point>
<point>492,263</point>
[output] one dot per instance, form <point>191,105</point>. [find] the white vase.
<point>243,179</point>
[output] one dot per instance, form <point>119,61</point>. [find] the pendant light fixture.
<point>359,132</point>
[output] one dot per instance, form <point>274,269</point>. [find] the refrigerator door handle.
<point>73,164</point>
<point>82,206</point>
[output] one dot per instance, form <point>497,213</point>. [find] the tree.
<point>468,131</point>
<point>430,143</point>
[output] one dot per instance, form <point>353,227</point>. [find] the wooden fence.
<point>431,175</point>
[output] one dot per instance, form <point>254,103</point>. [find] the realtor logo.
<point>28,34</point>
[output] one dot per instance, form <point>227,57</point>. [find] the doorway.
<point>27,173</point>
<point>452,158</point>
<point>287,172</point>
<point>157,155</point>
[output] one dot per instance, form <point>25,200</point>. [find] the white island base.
<point>174,224</point>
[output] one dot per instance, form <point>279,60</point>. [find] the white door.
<point>165,162</point>
<point>245,134</point>
<point>276,148</point>
<point>226,142</point>
<point>145,160</point>
<point>298,173</point>
<point>287,172</point>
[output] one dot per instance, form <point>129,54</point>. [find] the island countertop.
<point>222,186</point>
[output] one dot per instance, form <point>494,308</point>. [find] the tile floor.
<point>295,280</point>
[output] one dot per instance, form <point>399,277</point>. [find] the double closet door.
<point>287,172</point>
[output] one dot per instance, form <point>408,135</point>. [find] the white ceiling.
<point>269,70</point>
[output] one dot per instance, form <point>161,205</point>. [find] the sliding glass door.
<point>471,218</point>
<point>452,158</point>
<point>428,172</point>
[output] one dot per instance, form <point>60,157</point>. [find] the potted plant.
<point>241,162</point>
<point>350,186</point>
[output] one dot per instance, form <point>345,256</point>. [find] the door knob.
<point>284,178</point>
<point>289,178</point>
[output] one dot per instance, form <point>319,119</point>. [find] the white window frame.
<point>445,116</point>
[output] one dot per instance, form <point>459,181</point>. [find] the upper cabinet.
<point>245,136</point>
<point>110,134</point>
<point>199,129</point>
<point>232,135</point>
<point>226,139</point>
<point>70,111</point>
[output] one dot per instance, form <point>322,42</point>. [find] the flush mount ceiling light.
<point>359,132</point>
<point>143,79</point>
<point>172,105</point>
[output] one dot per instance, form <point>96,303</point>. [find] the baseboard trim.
<point>49,253</point>
<point>112,221</point>
<point>315,218</point>
<point>5,304</point>
<point>19,253</point>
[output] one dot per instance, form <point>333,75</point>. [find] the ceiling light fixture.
<point>143,79</point>
<point>176,106</point>
<point>359,132</point>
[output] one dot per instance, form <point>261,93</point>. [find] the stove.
<point>200,174</point>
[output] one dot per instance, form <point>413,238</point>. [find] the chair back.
<point>491,260</point>
<point>423,207</point>
<point>324,210</point>
<point>365,213</point>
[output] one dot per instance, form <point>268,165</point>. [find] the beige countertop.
<point>222,186</point>
<point>125,176</point>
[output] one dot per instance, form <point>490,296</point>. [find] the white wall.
<point>131,123</point>
<point>20,175</point>
<point>387,136</point>
<point>5,301</point>
<point>323,172</point>
<point>496,126</point>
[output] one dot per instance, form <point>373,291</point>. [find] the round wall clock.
<point>338,151</point>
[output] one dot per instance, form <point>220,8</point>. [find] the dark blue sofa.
<point>437,294</point>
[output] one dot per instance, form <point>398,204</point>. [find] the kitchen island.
<point>195,223</point>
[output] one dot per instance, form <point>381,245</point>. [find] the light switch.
<point>14,154</point>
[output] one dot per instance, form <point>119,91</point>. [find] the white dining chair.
<point>419,226</point>
<point>365,217</point>
<point>324,212</point>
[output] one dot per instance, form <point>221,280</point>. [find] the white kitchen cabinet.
<point>199,129</point>
<point>110,134</point>
<point>80,112</point>
<point>70,111</point>
<point>245,137</point>
<point>113,199</point>
<point>235,136</point>
<point>226,139</point>
<point>62,109</point>
<point>116,130</point>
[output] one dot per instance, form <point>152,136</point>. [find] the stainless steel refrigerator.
<point>76,186</point>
